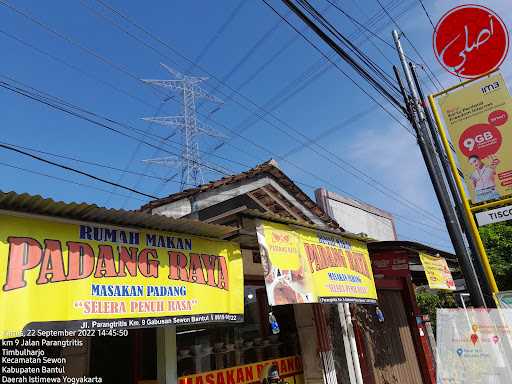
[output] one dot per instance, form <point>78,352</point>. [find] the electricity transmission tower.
<point>189,161</point>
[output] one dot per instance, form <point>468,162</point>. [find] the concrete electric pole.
<point>417,117</point>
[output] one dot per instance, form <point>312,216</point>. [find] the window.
<point>204,348</point>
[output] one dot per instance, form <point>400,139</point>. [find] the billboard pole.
<point>461,214</point>
<point>434,171</point>
<point>467,208</point>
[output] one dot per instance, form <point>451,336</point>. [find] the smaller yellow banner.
<point>437,271</point>
<point>302,265</point>
<point>290,370</point>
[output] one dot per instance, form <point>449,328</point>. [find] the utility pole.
<point>463,220</point>
<point>189,161</point>
<point>418,121</point>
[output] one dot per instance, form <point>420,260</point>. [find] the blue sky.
<point>230,40</point>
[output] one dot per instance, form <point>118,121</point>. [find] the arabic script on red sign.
<point>470,41</point>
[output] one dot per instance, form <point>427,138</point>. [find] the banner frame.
<point>492,204</point>
<point>458,181</point>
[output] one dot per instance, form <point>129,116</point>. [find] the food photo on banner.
<point>478,120</point>
<point>112,277</point>
<point>302,265</point>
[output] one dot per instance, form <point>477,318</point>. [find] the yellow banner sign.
<point>68,276</point>
<point>289,368</point>
<point>307,266</point>
<point>478,120</point>
<point>437,271</point>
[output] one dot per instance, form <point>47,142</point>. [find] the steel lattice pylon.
<point>189,161</point>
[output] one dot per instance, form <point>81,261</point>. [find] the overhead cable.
<point>65,180</point>
<point>71,169</point>
<point>261,147</point>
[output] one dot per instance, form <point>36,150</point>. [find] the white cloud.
<point>392,156</point>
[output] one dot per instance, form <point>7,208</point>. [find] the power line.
<point>427,14</point>
<point>189,60</point>
<point>338,157</point>
<point>204,70</point>
<point>2,84</point>
<point>360,25</point>
<point>106,166</point>
<point>346,163</point>
<point>306,77</point>
<point>93,163</point>
<point>72,41</point>
<point>64,180</point>
<point>217,34</point>
<point>413,47</point>
<point>198,58</point>
<point>269,61</point>
<point>187,123</point>
<point>69,39</point>
<point>50,101</point>
<point>396,105</point>
<point>255,144</point>
<point>106,126</point>
<point>245,58</point>
<point>278,128</point>
<point>75,68</point>
<point>149,131</point>
<point>245,166</point>
<point>371,65</point>
<point>97,164</point>
<point>343,124</point>
<point>287,92</point>
<point>343,54</point>
<point>396,216</point>
<point>132,35</point>
<point>365,28</point>
<point>253,102</point>
<point>71,169</point>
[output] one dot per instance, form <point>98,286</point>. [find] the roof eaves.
<point>38,205</point>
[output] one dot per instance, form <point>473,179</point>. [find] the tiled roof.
<point>269,168</point>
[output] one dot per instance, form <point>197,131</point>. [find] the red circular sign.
<point>470,40</point>
<point>480,140</point>
<point>498,117</point>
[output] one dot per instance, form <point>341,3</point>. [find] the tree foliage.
<point>428,302</point>
<point>497,239</point>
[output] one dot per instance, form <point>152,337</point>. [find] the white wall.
<point>357,217</point>
<point>356,220</point>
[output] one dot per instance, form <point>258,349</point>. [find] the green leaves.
<point>497,239</point>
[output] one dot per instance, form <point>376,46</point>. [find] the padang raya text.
<point>124,257</point>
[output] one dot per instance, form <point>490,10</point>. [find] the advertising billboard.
<point>303,265</point>
<point>478,120</point>
<point>58,275</point>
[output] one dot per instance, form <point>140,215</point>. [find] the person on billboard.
<point>484,179</point>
